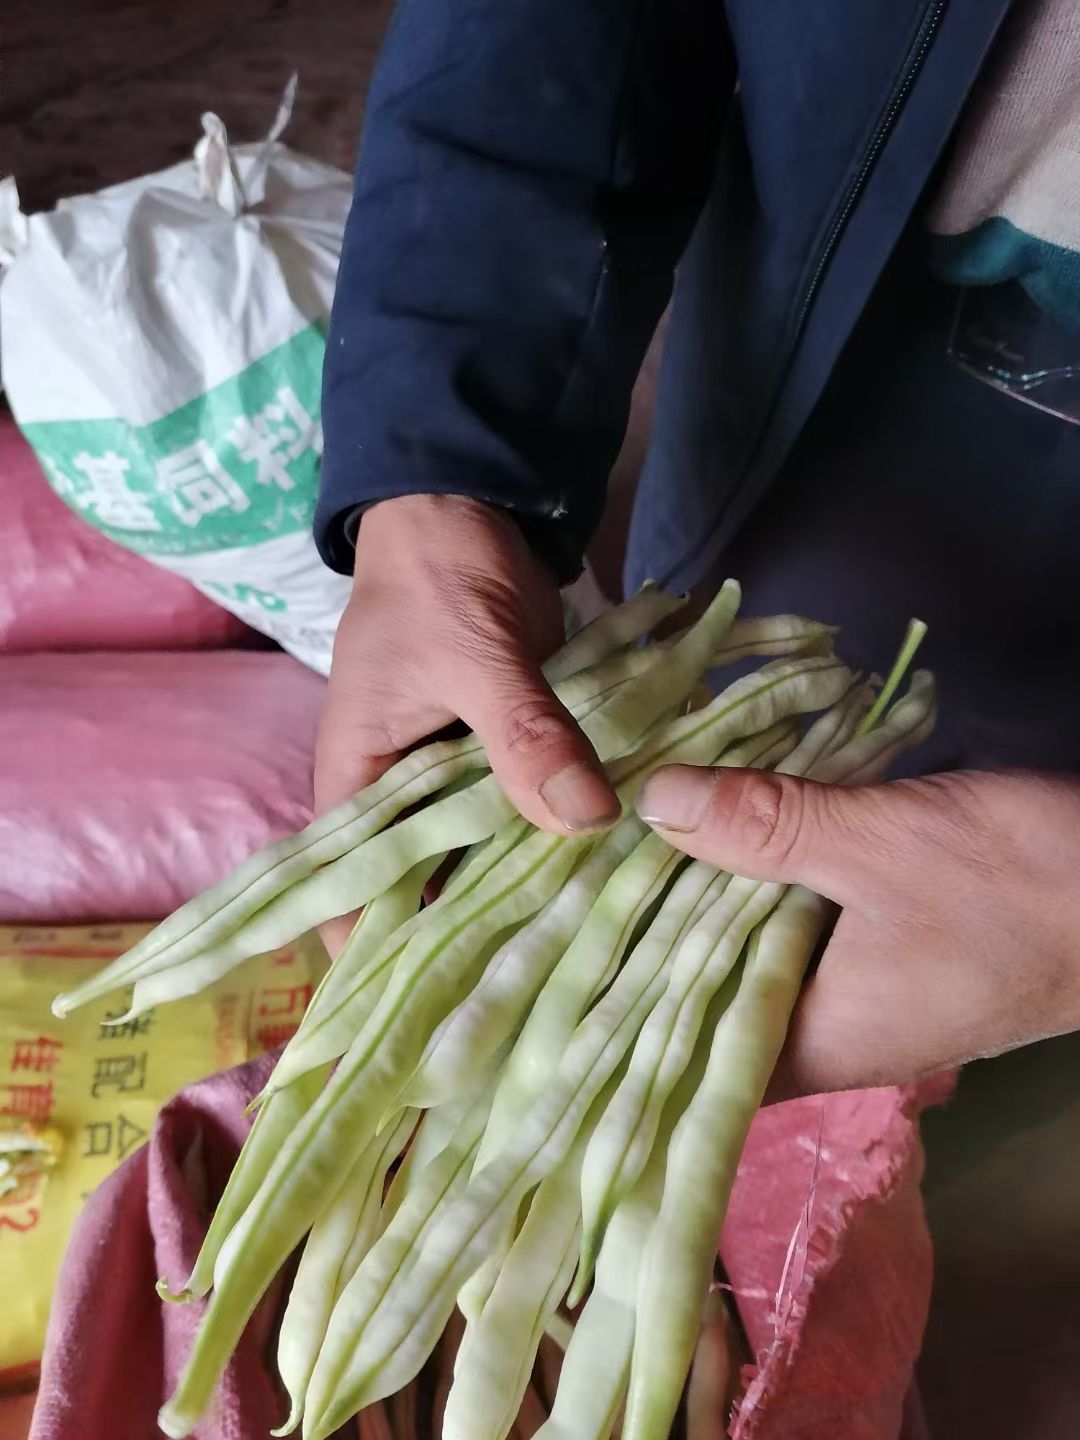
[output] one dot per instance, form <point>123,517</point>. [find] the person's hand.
<point>959,935</point>
<point>450,618</point>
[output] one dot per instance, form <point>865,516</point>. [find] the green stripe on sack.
<point>997,251</point>
<point>234,467</point>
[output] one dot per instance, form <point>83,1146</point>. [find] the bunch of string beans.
<point>564,1050</point>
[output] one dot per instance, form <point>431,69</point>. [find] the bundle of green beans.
<point>564,1050</point>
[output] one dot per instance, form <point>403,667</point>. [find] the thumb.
<point>773,827</point>
<point>541,759</point>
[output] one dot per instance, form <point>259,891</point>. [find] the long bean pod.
<point>365,870</point>
<point>401,1324</point>
<point>204,921</point>
<point>313,1160</point>
<point>595,953</point>
<point>373,1349</point>
<point>393,1255</point>
<point>499,1349</point>
<point>490,1013</point>
<point>272,1126</point>
<point>321,878</point>
<point>779,690</point>
<point>380,918</point>
<point>623,1140</point>
<point>435,1131</point>
<point>430,1004</point>
<point>473,1295</point>
<point>702,1160</point>
<point>462,819</point>
<point>866,758</point>
<point>596,1366</point>
<point>624,1137</point>
<point>746,1044</point>
<point>751,704</point>
<point>773,636</point>
<point>328,1034</point>
<point>339,1238</point>
<point>623,625</point>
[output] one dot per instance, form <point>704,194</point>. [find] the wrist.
<point>431,520</point>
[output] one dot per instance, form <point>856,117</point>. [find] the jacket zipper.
<point>913,62</point>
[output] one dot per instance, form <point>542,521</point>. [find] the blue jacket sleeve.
<point>529,174</point>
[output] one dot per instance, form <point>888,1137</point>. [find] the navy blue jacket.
<point>531,174</point>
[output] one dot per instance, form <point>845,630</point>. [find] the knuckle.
<point>532,725</point>
<point>380,735</point>
<point>340,749</point>
<point>770,817</point>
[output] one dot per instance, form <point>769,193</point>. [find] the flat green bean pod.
<point>497,1354</point>
<point>624,1137</point>
<point>392,1257</point>
<point>380,1341</point>
<point>328,1033</point>
<point>271,1127</point>
<point>313,1161</point>
<point>492,1011</point>
<point>557,1007</point>
<point>349,972</point>
<point>702,1160</point>
<point>596,1366</point>
<point>376,923</point>
<point>384,1346</point>
<point>464,818</point>
<point>704,1152</point>
<point>749,705</point>
<point>203,922</point>
<point>623,625</point>
<point>753,703</point>
<point>212,924</point>
<point>779,690</point>
<point>339,1239</point>
<point>772,636</point>
<point>473,1295</point>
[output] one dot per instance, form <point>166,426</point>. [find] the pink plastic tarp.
<point>64,586</point>
<point>828,1254</point>
<point>826,1216</point>
<point>130,782</point>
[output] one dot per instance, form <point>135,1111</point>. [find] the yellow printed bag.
<point>78,1096</point>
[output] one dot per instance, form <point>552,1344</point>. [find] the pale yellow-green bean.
<point>338,1241</point>
<point>205,921</point>
<point>392,1256</point>
<point>623,625</point>
<point>596,1366</point>
<point>493,1009</point>
<point>499,1348</point>
<point>328,1033</point>
<point>624,1137</point>
<point>313,1160</point>
<point>273,1124</point>
<point>702,1160</point>
<point>396,1335</point>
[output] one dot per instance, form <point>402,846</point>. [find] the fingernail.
<point>580,799</point>
<point>676,797</point>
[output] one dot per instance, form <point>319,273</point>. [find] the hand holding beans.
<point>960,932</point>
